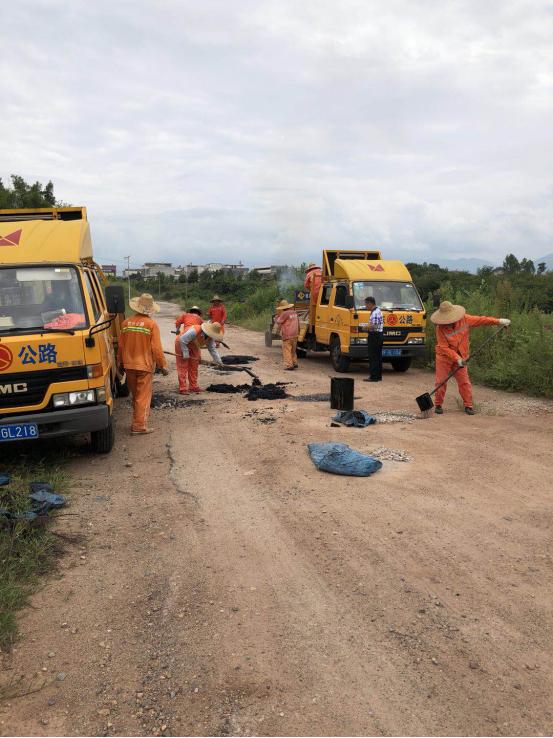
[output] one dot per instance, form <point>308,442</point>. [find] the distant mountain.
<point>466,265</point>
<point>548,259</point>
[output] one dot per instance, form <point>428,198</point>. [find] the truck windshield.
<point>40,297</point>
<point>388,295</point>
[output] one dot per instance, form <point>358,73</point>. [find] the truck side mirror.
<point>350,302</point>
<point>115,299</point>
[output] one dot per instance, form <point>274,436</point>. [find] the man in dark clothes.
<point>374,340</point>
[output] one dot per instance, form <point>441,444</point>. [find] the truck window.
<point>388,295</point>
<point>95,307</point>
<point>98,291</point>
<point>340,295</point>
<point>325,296</point>
<point>32,298</point>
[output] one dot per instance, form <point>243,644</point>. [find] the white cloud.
<point>267,130</point>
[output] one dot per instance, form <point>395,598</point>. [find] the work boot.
<point>439,410</point>
<point>145,432</point>
<point>469,411</point>
<point>196,389</point>
<point>183,392</point>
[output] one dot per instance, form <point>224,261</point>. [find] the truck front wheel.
<point>401,365</point>
<point>340,361</point>
<point>102,441</point>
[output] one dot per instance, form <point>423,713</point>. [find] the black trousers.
<point>374,345</point>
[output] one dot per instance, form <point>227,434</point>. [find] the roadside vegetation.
<point>27,549</point>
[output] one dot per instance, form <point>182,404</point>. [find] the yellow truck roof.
<point>371,270</point>
<point>46,235</point>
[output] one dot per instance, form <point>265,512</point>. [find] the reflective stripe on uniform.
<point>135,329</point>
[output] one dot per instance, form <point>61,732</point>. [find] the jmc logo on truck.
<point>9,389</point>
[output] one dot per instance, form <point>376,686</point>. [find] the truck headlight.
<point>101,394</point>
<point>416,340</point>
<point>68,399</point>
<point>357,341</point>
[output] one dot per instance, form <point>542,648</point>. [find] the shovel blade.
<point>424,402</point>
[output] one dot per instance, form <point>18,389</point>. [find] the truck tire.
<point>401,365</point>
<point>102,441</point>
<point>269,337</point>
<point>121,388</point>
<point>301,353</point>
<point>340,361</point>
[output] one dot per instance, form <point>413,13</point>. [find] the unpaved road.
<point>224,586</point>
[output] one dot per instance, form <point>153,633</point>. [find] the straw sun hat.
<point>144,304</point>
<point>284,305</point>
<point>310,266</point>
<point>447,313</point>
<point>213,330</point>
<point>216,298</point>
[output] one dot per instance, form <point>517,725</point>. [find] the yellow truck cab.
<point>339,323</point>
<point>58,335</point>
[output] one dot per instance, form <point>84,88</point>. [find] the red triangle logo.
<point>12,239</point>
<point>377,268</point>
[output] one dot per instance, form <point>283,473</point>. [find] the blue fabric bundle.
<point>338,458</point>
<point>43,500</point>
<point>354,418</point>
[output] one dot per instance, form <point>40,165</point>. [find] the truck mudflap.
<point>68,422</point>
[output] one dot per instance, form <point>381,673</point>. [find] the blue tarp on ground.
<point>338,458</point>
<point>354,418</point>
<point>43,500</point>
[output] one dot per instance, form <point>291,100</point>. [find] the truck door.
<point>339,319</point>
<point>321,314</point>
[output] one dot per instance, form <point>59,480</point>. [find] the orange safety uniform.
<point>184,370</point>
<point>193,349</point>
<point>313,281</point>
<point>452,343</point>
<point>139,352</point>
<point>218,314</point>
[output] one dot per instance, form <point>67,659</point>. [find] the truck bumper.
<point>68,422</point>
<point>360,352</point>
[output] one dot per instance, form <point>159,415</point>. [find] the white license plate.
<point>18,432</point>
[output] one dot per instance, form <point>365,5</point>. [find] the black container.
<point>341,393</point>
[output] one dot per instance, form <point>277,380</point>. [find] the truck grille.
<point>399,335</point>
<point>37,385</point>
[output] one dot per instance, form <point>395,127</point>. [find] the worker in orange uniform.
<point>313,281</point>
<point>139,353</point>
<point>192,317</point>
<point>289,323</point>
<point>217,312</point>
<point>453,348</point>
<point>192,341</point>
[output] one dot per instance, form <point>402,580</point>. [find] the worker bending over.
<point>183,323</point>
<point>217,312</point>
<point>138,355</point>
<point>453,348</point>
<point>192,341</point>
<point>289,323</point>
<point>313,281</point>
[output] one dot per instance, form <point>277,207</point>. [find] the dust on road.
<point>224,586</point>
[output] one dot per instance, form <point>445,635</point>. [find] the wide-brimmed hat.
<point>196,308</point>
<point>310,266</point>
<point>213,330</point>
<point>216,298</point>
<point>144,304</point>
<point>447,313</point>
<point>285,305</point>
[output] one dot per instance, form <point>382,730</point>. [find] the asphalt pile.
<point>227,389</point>
<point>266,391</point>
<point>238,359</point>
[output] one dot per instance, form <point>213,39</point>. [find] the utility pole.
<point>128,258</point>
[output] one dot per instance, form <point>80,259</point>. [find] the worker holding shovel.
<point>453,326</point>
<point>191,342</point>
<point>185,321</point>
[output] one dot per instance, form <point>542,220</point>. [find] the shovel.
<point>223,367</point>
<point>425,402</point>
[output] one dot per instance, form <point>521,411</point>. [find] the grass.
<point>27,550</point>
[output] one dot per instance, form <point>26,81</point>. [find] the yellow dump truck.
<point>58,330</point>
<point>338,322</point>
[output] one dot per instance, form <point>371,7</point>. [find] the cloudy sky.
<point>265,130</point>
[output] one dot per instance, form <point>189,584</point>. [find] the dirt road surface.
<point>222,585</point>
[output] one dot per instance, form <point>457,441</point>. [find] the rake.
<point>425,402</point>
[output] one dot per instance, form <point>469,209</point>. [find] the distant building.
<point>153,268</point>
<point>267,271</point>
<point>110,269</point>
<point>212,267</point>
<point>131,273</point>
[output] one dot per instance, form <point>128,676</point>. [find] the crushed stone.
<point>390,454</point>
<point>399,416</point>
<point>165,401</point>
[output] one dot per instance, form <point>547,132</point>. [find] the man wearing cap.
<point>139,353</point>
<point>192,317</point>
<point>192,341</point>
<point>288,321</point>
<point>217,312</point>
<point>453,326</point>
<point>313,280</point>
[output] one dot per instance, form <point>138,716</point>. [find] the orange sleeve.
<point>179,321</point>
<point>224,313</point>
<point>157,349</point>
<point>443,348</point>
<point>475,320</point>
<point>307,281</point>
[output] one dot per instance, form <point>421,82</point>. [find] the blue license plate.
<point>391,352</point>
<point>18,432</point>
